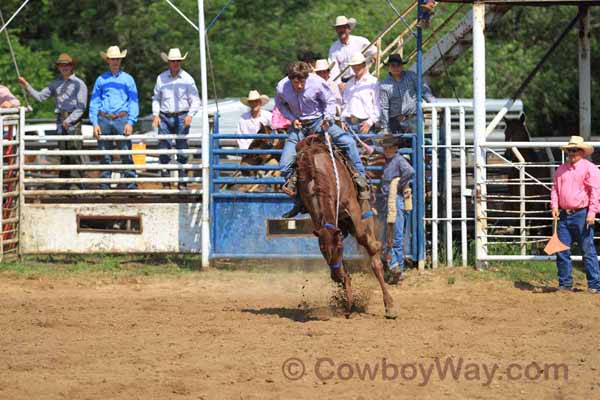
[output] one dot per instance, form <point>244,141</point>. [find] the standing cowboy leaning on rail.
<point>396,178</point>
<point>306,100</point>
<point>398,98</point>
<point>174,103</point>
<point>342,49</point>
<point>575,200</point>
<point>71,94</point>
<point>7,99</point>
<point>114,109</point>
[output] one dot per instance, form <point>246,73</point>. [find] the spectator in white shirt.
<point>360,98</point>
<point>174,103</point>
<point>323,69</point>
<point>251,121</point>
<point>342,49</point>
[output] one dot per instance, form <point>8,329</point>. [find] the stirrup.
<point>289,187</point>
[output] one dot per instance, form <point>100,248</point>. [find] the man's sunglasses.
<point>572,150</point>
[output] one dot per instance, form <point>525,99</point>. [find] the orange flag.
<point>554,245</point>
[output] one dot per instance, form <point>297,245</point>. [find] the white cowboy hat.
<point>113,52</point>
<point>255,95</point>
<point>174,55</point>
<point>357,59</point>
<point>323,65</point>
<point>577,142</point>
<point>341,20</point>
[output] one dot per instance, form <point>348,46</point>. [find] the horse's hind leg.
<point>365,236</point>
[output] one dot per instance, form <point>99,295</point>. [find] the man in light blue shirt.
<point>174,103</point>
<point>114,109</point>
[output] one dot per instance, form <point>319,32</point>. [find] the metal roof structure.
<point>529,2</point>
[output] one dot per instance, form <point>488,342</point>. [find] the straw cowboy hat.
<point>323,65</point>
<point>254,95</point>
<point>113,52</point>
<point>174,55</point>
<point>341,20</point>
<point>394,59</point>
<point>357,59</point>
<point>64,58</point>
<point>577,142</point>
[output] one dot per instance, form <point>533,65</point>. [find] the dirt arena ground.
<point>227,335</point>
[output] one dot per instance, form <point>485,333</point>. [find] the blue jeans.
<point>173,126</point>
<point>342,139</point>
<point>115,127</point>
<point>397,250</point>
<point>573,227</point>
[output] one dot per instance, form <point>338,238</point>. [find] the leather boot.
<point>289,187</point>
<point>364,193</point>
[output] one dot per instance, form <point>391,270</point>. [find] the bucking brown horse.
<point>317,187</point>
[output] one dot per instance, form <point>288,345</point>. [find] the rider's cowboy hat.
<point>341,20</point>
<point>577,142</point>
<point>357,59</point>
<point>113,52</point>
<point>64,58</point>
<point>174,55</point>
<point>394,59</point>
<point>323,65</point>
<point>254,95</point>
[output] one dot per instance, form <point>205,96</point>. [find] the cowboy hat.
<point>357,59</point>
<point>254,95</point>
<point>394,59</point>
<point>64,58</point>
<point>577,142</point>
<point>388,140</point>
<point>341,20</point>
<point>323,65</point>
<point>174,55</point>
<point>113,52</point>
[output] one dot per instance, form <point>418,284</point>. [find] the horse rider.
<point>398,98</point>
<point>575,201</point>
<point>306,100</point>
<point>345,46</point>
<point>70,94</point>
<point>174,104</point>
<point>361,98</point>
<point>397,172</point>
<point>114,109</point>
<point>7,99</point>
<point>251,121</point>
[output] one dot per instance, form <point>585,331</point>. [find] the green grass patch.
<point>103,264</point>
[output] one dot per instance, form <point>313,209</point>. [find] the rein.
<point>337,177</point>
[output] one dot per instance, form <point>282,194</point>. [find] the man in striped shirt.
<point>398,98</point>
<point>174,103</point>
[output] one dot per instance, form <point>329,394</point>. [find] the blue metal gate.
<point>248,224</point>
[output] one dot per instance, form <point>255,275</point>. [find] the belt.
<point>356,120</point>
<point>65,114</point>
<point>404,117</point>
<point>174,114</point>
<point>308,122</point>
<point>570,211</point>
<point>113,116</point>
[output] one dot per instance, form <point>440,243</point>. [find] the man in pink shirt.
<point>575,200</point>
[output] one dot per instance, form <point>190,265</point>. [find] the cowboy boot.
<point>289,187</point>
<point>364,192</point>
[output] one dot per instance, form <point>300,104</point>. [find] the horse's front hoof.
<point>390,314</point>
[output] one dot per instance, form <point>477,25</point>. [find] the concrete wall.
<point>52,228</point>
